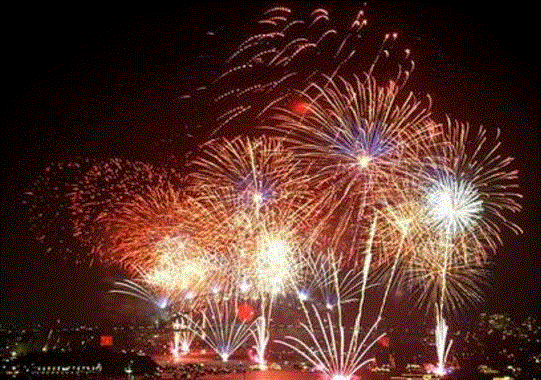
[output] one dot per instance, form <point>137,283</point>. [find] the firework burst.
<point>469,186</point>
<point>131,230</point>
<point>358,139</point>
<point>181,268</point>
<point>247,173</point>
<point>442,344</point>
<point>251,195</point>
<point>261,334</point>
<point>108,184</point>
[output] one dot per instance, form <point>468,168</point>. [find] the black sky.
<point>478,65</point>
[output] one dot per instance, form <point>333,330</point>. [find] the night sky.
<point>63,71</point>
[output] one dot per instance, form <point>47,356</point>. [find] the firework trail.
<point>261,337</point>
<point>442,345</point>
<point>465,278</point>
<point>337,355</point>
<point>167,300</point>
<point>288,51</point>
<point>318,277</point>
<point>140,290</point>
<point>221,329</point>
<point>260,331</point>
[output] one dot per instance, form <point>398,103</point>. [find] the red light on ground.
<point>106,341</point>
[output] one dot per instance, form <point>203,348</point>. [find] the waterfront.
<point>267,375</point>
<point>494,346</point>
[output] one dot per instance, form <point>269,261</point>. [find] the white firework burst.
<point>453,205</point>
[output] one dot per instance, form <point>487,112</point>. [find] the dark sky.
<point>477,65</point>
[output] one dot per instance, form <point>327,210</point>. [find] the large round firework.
<point>130,231</point>
<point>246,190</point>
<point>358,140</point>
<point>253,174</point>
<point>413,256</point>
<point>429,262</point>
<point>459,280</point>
<point>107,185</point>
<point>262,251</point>
<point>468,188</point>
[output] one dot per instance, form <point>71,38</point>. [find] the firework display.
<point>317,283</point>
<point>339,355</point>
<point>442,345</point>
<point>269,67</point>
<point>182,338</point>
<point>220,328</point>
<point>359,139</point>
<point>138,290</point>
<point>343,181</point>
<point>468,186</point>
